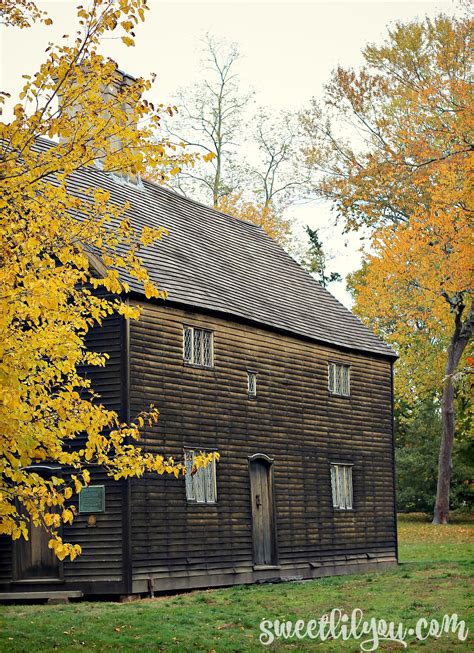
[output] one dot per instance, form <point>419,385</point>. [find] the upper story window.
<point>201,485</point>
<point>339,379</point>
<point>252,383</point>
<point>341,484</point>
<point>198,345</point>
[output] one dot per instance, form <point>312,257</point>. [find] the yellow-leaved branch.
<point>51,242</point>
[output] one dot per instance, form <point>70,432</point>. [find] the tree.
<point>260,213</point>
<point>50,292</point>
<point>212,121</point>
<point>209,121</point>
<point>391,146</point>
<point>315,259</point>
<point>277,179</point>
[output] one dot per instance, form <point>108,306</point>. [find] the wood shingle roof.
<point>213,261</point>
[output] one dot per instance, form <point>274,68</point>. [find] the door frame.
<point>268,462</point>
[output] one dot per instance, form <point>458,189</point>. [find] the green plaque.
<point>92,499</point>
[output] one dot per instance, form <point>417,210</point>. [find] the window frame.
<point>335,366</point>
<point>252,394</point>
<point>189,479</point>
<point>202,330</point>
<point>348,467</point>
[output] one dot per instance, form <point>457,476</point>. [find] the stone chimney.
<point>110,91</point>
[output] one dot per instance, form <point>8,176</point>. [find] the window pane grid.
<point>197,340</point>
<point>188,344</point>
<point>207,348</point>
<point>198,346</point>
<point>331,377</point>
<point>339,379</point>
<point>201,486</point>
<point>188,461</point>
<point>341,486</point>
<point>252,383</point>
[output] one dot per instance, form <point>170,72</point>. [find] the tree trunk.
<point>441,510</point>
<point>460,338</point>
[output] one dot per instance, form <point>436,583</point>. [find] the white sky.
<point>288,48</point>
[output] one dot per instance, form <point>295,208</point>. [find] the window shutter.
<point>337,375</point>
<point>207,357</point>
<point>210,474</point>
<point>334,486</point>
<point>197,343</point>
<point>331,367</point>
<point>345,380</point>
<point>188,461</point>
<point>200,485</point>
<point>349,488</point>
<point>188,344</point>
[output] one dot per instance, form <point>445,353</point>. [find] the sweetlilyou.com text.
<point>370,633</point>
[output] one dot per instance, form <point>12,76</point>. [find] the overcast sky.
<point>288,48</point>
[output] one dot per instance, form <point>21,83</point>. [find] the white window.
<point>339,379</point>
<point>341,483</point>
<point>201,485</point>
<point>198,346</point>
<point>252,383</point>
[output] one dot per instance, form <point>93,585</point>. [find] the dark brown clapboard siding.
<point>293,420</point>
<point>101,558</point>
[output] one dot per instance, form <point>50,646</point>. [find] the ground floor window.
<point>341,483</point>
<point>201,485</point>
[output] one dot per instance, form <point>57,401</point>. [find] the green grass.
<point>433,579</point>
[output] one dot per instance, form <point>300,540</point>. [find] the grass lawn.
<point>434,578</point>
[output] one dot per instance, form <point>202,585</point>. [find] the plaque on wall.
<point>92,499</point>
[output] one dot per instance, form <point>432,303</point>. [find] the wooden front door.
<point>263,518</point>
<point>33,558</point>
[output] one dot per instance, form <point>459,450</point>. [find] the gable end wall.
<point>293,420</point>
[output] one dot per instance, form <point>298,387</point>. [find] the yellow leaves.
<point>260,214</point>
<point>62,550</point>
<point>129,42</point>
<point>150,290</point>
<point>401,291</point>
<point>67,516</point>
<point>77,483</point>
<point>150,234</point>
<point>128,311</point>
<point>57,269</point>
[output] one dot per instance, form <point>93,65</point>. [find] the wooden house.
<point>252,358</point>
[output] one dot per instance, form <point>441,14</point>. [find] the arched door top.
<point>262,457</point>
